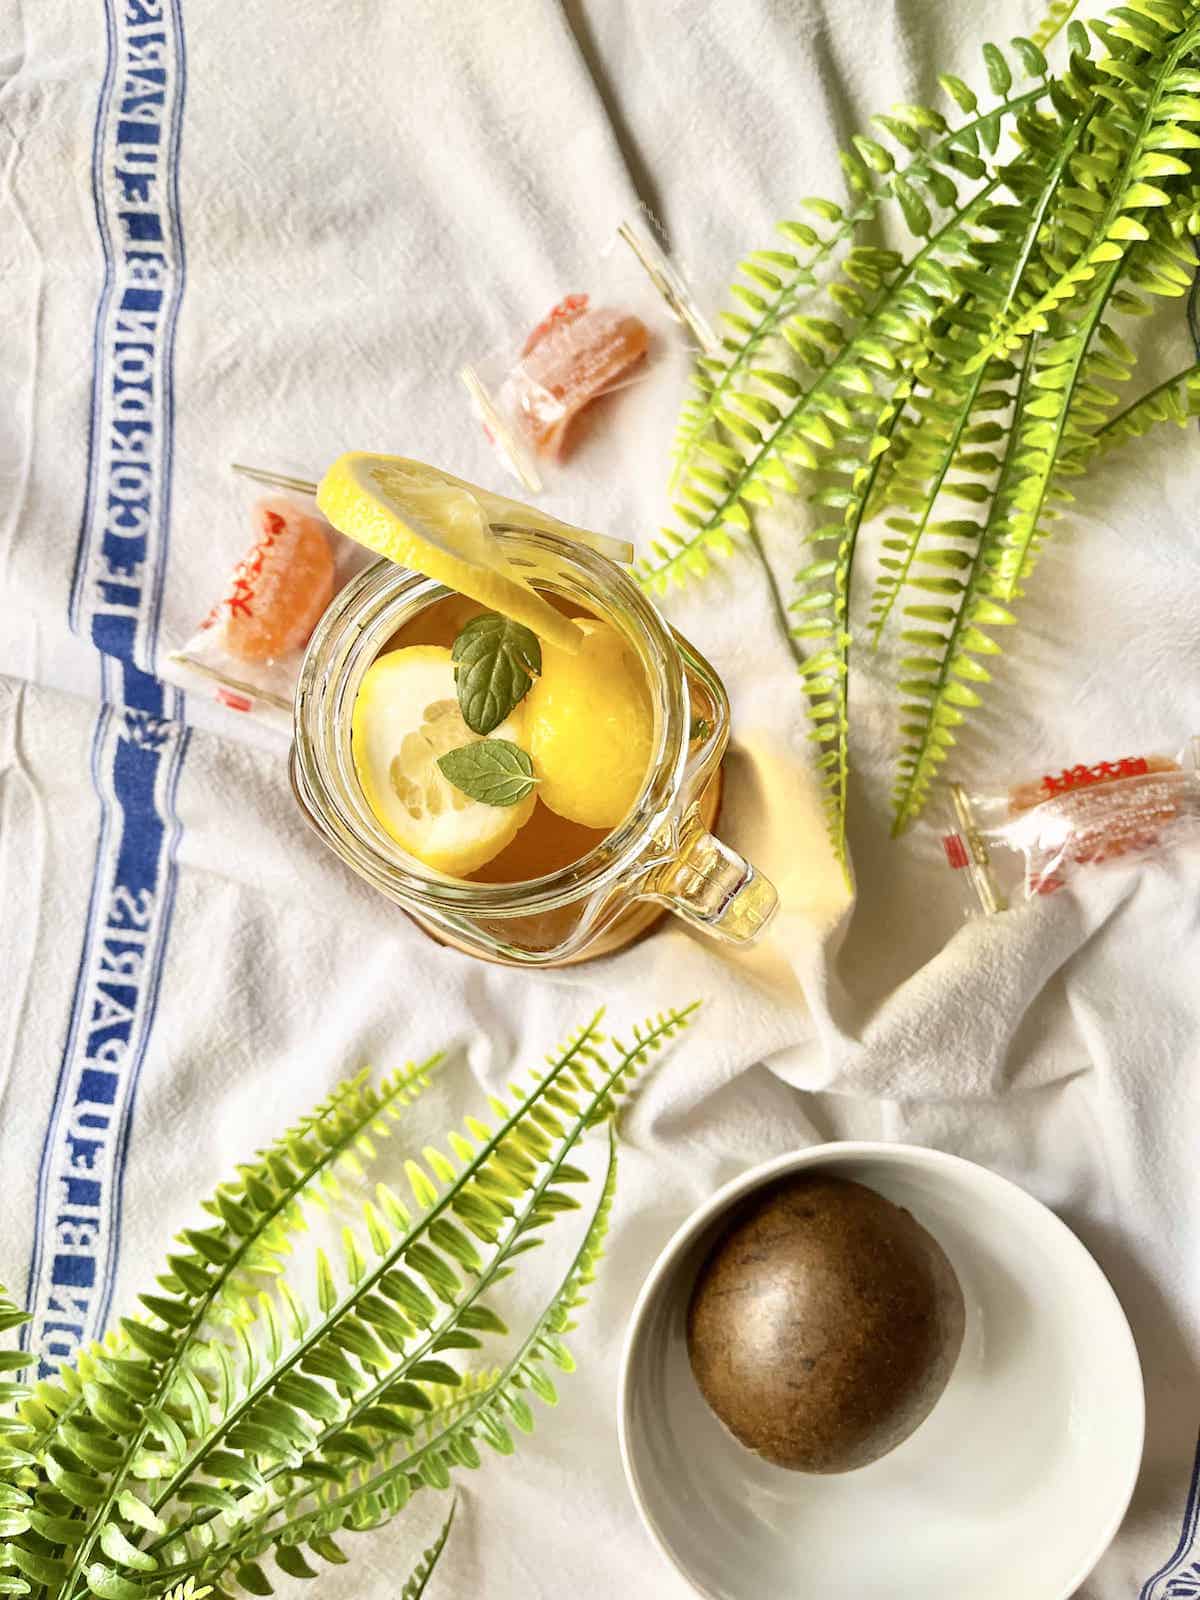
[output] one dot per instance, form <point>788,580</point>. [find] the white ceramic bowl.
<point>1013,1486</point>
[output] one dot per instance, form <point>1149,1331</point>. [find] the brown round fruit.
<point>824,1325</point>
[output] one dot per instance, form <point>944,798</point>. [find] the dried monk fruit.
<point>576,354</point>
<point>279,588</point>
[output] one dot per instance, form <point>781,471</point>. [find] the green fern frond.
<point>823,606</point>
<point>936,450</point>
<point>1055,20</point>
<point>1065,400</point>
<point>944,673</point>
<point>132,1397</point>
<point>273,1406</point>
<point>18,1462</point>
<point>1126,173</point>
<point>837,408</point>
<point>387,1306</point>
<point>296,1174</point>
<point>985,368</point>
<point>952,417</point>
<point>423,1571</point>
<point>186,1591</point>
<point>779,281</point>
<point>367,1497</point>
<point>1176,399</point>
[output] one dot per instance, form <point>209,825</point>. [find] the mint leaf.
<point>495,663</point>
<point>494,771</point>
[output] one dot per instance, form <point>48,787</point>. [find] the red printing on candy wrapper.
<point>234,700</point>
<point>567,309</point>
<point>1103,772</point>
<point>1101,836</point>
<point>248,572</point>
<point>246,653</point>
<point>279,588</point>
<point>956,851</point>
<point>1102,821</point>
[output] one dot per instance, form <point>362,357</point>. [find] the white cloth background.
<point>349,199</point>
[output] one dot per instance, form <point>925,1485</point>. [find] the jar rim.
<point>349,636</point>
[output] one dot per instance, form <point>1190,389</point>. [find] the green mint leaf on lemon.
<point>495,663</point>
<point>493,771</point>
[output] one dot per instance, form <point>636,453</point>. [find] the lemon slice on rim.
<point>501,508</point>
<point>423,519</point>
<point>406,715</point>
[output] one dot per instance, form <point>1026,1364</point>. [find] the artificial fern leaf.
<point>955,400</point>
<point>132,1387</point>
<point>982,367</point>
<point>945,666</point>
<point>1113,162</point>
<point>421,1574</point>
<point>1176,399</point>
<point>355,1500</point>
<point>839,404</point>
<point>272,1413</point>
<point>255,1216</point>
<point>822,609</point>
<point>719,378</point>
<point>1049,422</point>
<point>18,1460</point>
<point>1055,20</point>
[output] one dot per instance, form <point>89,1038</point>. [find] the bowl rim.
<point>897,1155</point>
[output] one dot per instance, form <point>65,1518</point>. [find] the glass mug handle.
<point>712,887</point>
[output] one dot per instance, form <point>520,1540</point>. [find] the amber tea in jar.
<point>582,864</point>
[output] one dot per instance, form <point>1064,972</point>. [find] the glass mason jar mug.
<point>661,857</point>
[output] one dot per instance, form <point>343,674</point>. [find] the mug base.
<point>641,918</point>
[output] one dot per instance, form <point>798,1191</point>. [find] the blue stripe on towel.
<point>1180,1578</point>
<point>139,742</point>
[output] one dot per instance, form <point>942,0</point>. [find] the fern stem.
<point>419,1582</point>
<point>485,1280</point>
<point>805,403</point>
<point>1065,286</point>
<point>296,1518</point>
<point>778,604</point>
<point>854,518</point>
<point>402,1087</point>
<point>947,461</point>
<point>908,802</point>
<point>1111,433</point>
<point>1017,554</point>
<point>420,1226</point>
<point>1052,184</point>
<point>790,296</point>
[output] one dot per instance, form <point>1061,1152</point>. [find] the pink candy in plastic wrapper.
<point>591,343</point>
<point>246,652</point>
<point>578,353</point>
<point>1034,838</point>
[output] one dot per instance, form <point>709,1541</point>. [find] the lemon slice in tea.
<point>406,715</point>
<point>590,727</point>
<point>420,518</point>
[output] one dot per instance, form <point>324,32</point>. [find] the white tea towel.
<point>277,231</point>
